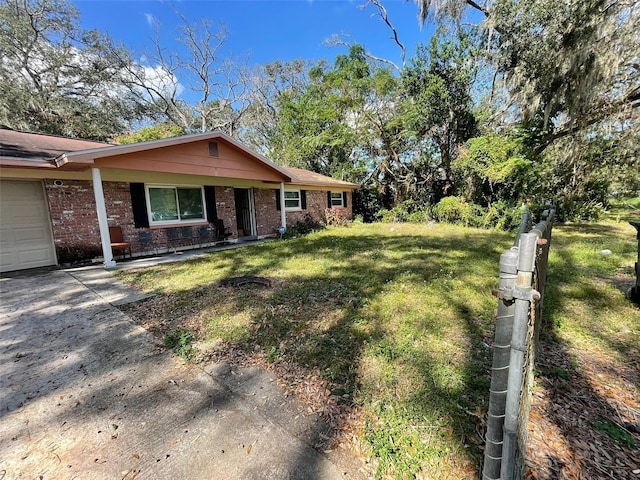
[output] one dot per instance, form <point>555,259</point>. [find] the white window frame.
<point>334,205</point>
<point>179,221</point>
<point>299,199</point>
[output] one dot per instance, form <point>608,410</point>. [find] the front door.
<point>245,216</point>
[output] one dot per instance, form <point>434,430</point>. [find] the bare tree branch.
<point>194,89</point>
<point>382,13</point>
<point>336,40</point>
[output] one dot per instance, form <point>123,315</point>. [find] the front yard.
<point>393,325</point>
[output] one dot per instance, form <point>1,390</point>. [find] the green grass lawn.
<point>397,318</point>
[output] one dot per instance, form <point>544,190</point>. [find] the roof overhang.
<point>22,150</point>
<point>30,164</point>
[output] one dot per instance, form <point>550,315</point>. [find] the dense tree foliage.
<point>147,134</point>
<point>557,119</point>
<point>571,74</point>
<point>438,109</point>
<point>493,168</point>
<point>53,76</point>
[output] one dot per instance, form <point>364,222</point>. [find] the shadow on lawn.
<point>334,323</point>
<point>575,405</point>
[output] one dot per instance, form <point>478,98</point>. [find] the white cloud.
<point>151,20</point>
<point>161,80</point>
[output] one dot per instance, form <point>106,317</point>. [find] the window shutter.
<point>329,199</point>
<point>344,199</point>
<point>210,200</point>
<point>278,199</point>
<point>303,199</point>
<point>139,205</point>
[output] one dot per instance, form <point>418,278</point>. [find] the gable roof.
<point>90,155</point>
<point>34,150</point>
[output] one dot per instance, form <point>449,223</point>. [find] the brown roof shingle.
<point>307,177</point>
<point>38,147</point>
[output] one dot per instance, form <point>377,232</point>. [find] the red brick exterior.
<point>226,208</point>
<point>77,235</point>
<point>267,216</point>
<point>74,219</point>
<point>317,203</point>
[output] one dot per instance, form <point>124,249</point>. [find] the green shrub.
<point>407,211</point>
<point>420,216</point>
<point>307,225</point>
<point>502,216</point>
<point>458,211</point>
<point>580,209</point>
<point>385,216</point>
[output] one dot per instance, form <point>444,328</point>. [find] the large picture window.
<point>169,204</point>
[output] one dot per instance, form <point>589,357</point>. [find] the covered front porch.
<point>186,240</point>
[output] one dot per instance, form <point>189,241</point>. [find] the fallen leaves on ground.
<point>564,439</point>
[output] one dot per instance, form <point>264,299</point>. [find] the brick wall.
<point>74,219</point>
<point>316,203</point>
<point>77,235</point>
<point>226,209</point>
<point>154,240</point>
<point>267,216</point>
<point>76,232</point>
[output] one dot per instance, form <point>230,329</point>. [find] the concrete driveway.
<point>86,393</point>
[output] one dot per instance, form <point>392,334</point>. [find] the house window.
<point>170,205</point>
<point>292,200</point>
<point>336,199</point>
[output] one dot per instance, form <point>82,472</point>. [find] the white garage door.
<point>25,232</point>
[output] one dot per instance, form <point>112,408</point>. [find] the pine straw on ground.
<point>564,439</point>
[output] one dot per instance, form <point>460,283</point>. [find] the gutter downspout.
<point>101,209</point>
<point>283,213</point>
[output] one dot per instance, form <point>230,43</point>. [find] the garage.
<point>25,231</point>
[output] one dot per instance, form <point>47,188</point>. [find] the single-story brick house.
<point>59,196</point>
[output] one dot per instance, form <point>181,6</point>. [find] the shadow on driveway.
<point>86,393</point>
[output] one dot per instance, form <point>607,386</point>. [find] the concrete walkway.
<point>86,393</point>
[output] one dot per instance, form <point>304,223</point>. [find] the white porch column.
<point>283,213</point>
<point>101,209</point>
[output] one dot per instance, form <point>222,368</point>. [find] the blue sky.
<point>263,30</point>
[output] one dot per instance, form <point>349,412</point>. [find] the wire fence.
<point>523,272</point>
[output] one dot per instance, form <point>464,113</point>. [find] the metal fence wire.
<point>523,271</point>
